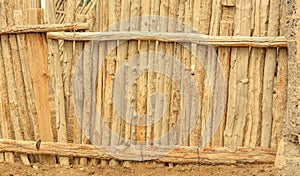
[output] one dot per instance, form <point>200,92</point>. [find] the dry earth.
<point>136,169</point>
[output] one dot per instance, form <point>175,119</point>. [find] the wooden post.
<point>238,81</point>
<point>269,72</point>
<point>280,100</point>
<point>38,66</point>
<point>226,29</point>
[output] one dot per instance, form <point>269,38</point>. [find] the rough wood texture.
<point>13,76</point>
<point>61,125</point>
<point>38,67</point>
<point>253,126</point>
<point>238,80</point>
<point>242,58</point>
<point>208,155</point>
<point>4,116</point>
<point>280,98</point>
<point>269,72</point>
<point>226,29</point>
<point>228,41</point>
<point>18,29</point>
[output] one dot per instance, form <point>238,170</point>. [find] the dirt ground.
<point>139,169</point>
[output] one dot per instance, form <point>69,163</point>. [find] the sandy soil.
<point>137,169</point>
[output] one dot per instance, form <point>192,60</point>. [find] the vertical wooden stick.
<point>281,88</point>
<point>269,72</point>
<point>39,74</point>
<point>238,81</point>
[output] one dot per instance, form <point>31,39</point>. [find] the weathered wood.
<point>228,41</point>
<point>201,22</point>
<point>39,28</point>
<point>104,134</point>
<point>179,56</point>
<point>142,98</point>
<point>213,87</point>
<point>17,55</point>
<point>253,127</point>
<point>122,58</point>
<point>238,81</point>
<point>185,79</point>
<point>4,116</point>
<point>208,155</point>
<point>38,65</point>
<point>61,125</point>
<point>31,108</point>
<point>111,69</point>
<point>10,54</point>
<point>132,86</point>
<point>151,84</point>
<point>2,111</point>
<point>269,72</point>
<point>226,28</point>
<point>280,100</point>
<point>161,126</point>
<point>170,87</point>
<point>77,132</point>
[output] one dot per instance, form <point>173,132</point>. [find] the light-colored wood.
<point>179,56</point>
<point>269,72</point>
<point>61,124</point>
<point>4,116</point>
<point>114,120</point>
<point>105,102</point>
<point>25,125</point>
<point>12,96</point>
<point>253,127</point>
<point>4,112</point>
<point>131,126</point>
<point>26,76</point>
<point>38,28</point>
<point>228,41</point>
<point>207,94</point>
<point>201,18</point>
<point>209,155</point>
<point>2,97</point>
<point>10,55</point>
<point>151,84</point>
<point>186,90</point>
<point>87,97</point>
<point>122,58</point>
<point>142,98</point>
<point>226,28</point>
<point>38,66</point>
<point>238,81</point>
<point>228,3</point>
<point>170,87</point>
<point>101,79</point>
<point>159,104</point>
<point>77,132</point>
<point>280,99</point>
<point>161,111</point>
<point>213,88</point>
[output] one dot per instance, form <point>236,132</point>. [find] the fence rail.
<point>222,41</point>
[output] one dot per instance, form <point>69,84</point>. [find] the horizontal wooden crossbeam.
<point>229,41</point>
<point>43,28</point>
<point>207,155</point>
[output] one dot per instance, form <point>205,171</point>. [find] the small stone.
<point>113,163</point>
<point>34,167</point>
<point>126,164</point>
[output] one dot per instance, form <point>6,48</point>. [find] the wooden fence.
<point>36,79</point>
